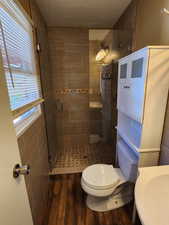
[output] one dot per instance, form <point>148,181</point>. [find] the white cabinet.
<point>131,84</point>
<point>143,83</point>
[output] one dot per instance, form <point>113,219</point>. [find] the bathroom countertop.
<point>152,195</point>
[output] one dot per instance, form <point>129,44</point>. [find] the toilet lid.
<point>100,176</point>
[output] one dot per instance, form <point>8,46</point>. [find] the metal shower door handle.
<point>20,170</point>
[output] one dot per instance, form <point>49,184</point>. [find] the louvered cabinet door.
<point>137,77</point>
<point>123,99</point>
<point>132,83</point>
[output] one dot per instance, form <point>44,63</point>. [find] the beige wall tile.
<point>164,156</point>
<point>46,82</point>
<point>69,57</point>
<point>94,70</point>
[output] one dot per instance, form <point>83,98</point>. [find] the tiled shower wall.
<point>94,71</point>
<point>94,86</point>
<point>69,60</point>
<point>43,58</point>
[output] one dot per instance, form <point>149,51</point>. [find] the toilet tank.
<point>128,161</point>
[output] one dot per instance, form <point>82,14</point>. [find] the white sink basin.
<point>152,195</point>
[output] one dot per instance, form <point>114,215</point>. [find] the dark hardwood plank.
<point>69,207</point>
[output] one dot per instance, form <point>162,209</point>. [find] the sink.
<point>152,195</point>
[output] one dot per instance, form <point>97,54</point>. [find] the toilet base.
<point>114,201</point>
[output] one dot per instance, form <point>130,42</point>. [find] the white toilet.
<point>110,188</point>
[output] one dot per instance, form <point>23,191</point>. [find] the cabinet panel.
<point>137,85</point>
<point>130,129</point>
<point>123,71</point>
<point>137,68</point>
<point>131,89</point>
<point>123,85</point>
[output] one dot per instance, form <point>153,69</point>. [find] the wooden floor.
<point>69,208</point>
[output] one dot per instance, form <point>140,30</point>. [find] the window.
<point>17,49</point>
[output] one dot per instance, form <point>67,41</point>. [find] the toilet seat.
<point>101,177</point>
<point>96,192</point>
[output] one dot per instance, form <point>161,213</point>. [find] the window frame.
<point>24,124</point>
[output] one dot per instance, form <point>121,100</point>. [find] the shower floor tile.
<point>75,158</point>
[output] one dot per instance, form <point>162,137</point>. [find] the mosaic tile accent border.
<point>94,91</point>
<point>65,91</point>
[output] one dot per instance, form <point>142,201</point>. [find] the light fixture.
<point>106,56</point>
<point>101,55</point>
<point>164,10</point>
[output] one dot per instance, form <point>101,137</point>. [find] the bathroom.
<point>67,117</point>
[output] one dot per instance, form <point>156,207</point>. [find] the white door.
<point>14,203</point>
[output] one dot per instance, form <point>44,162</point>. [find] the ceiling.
<point>82,13</point>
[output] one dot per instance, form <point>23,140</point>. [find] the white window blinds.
<point>16,43</point>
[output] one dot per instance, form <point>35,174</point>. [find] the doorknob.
<point>20,170</point>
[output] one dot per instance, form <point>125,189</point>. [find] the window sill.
<point>24,125</point>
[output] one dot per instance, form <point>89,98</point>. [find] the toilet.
<point>108,187</point>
